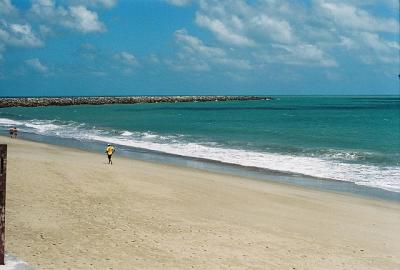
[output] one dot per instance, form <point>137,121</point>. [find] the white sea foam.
<point>149,135</point>
<point>42,126</point>
<point>9,122</point>
<point>369,175</point>
<point>343,155</point>
<point>126,133</point>
<point>329,166</point>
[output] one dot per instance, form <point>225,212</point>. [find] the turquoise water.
<point>355,139</point>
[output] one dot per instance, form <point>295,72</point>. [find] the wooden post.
<point>3,170</point>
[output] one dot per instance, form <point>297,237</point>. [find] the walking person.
<point>15,132</point>
<point>110,151</point>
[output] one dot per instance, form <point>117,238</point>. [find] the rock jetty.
<point>66,101</point>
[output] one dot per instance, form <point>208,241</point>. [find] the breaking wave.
<point>329,164</point>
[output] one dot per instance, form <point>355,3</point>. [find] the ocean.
<point>347,139</point>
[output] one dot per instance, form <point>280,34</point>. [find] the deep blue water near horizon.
<point>351,139</point>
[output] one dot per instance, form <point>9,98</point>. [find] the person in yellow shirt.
<point>110,151</point>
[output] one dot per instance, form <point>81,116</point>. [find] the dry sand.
<point>68,209</point>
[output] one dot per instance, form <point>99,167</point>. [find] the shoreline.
<point>238,134</point>
<point>66,208</point>
<point>228,169</point>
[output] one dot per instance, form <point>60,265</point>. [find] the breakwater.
<point>66,101</point>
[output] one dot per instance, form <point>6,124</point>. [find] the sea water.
<point>350,139</point>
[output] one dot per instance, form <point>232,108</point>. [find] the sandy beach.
<point>69,209</point>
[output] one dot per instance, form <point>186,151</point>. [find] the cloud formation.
<point>6,7</point>
<point>126,58</point>
<point>350,17</point>
<point>78,18</point>
<point>178,2</point>
<point>127,62</point>
<point>20,35</point>
<point>94,3</point>
<point>236,38</point>
<point>153,59</point>
<point>300,33</point>
<point>36,65</point>
<point>272,31</point>
<point>195,55</point>
<point>223,31</point>
<point>301,54</point>
<point>30,28</point>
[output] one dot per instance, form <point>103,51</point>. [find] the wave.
<point>126,133</point>
<point>330,164</point>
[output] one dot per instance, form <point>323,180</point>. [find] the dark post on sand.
<point>3,167</point>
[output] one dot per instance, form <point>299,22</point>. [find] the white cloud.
<point>106,3</point>
<point>269,30</point>
<point>126,58</point>
<point>195,45</point>
<point>350,16</point>
<point>29,28</point>
<point>279,30</point>
<point>36,65</point>
<point>47,9</point>
<point>347,43</point>
<point>308,33</point>
<point>388,3</point>
<point>6,7</point>
<point>248,24</point>
<point>153,58</point>
<point>371,48</point>
<point>18,35</point>
<point>93,3</point>
<point>234,63</point>
<point>45,30</point>
<point>302,54</point>
<point>78,18</point>
<point>359,31</point>
<point>223,32</point>
<point>84,20</point>
<point>385,51</point>
<point>180,3</point>
<point>2,48</point>
<point>373,41</point>
<point>235,76</point>
<point>195,55</point>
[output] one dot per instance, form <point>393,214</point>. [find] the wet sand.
<point>69,209</point>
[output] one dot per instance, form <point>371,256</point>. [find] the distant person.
<point>110,151</point>
<point>15,133</point>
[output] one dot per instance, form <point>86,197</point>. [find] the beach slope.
<point>69,209</point>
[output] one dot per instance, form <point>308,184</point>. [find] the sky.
<point>199,47</point>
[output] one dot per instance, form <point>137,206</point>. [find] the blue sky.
<point>171,47</point>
